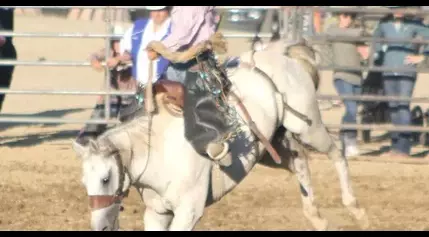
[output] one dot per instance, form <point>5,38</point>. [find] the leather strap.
<point>267,144</point>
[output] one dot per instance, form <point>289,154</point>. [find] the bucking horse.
<point>271,90</point>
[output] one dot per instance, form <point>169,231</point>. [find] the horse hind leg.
<point>319,138</point>
<point>302,173</point>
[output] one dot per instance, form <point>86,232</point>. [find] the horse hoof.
<point>320,224</point>
<point>363,220</point>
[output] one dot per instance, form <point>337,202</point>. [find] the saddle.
<point>173,94</point>
<point>174,91</point>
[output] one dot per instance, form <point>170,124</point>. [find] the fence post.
<point>109,28</point>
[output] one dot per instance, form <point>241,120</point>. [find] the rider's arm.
<point>186,22</point>
<point>96,58</point>
<point>99,55</point>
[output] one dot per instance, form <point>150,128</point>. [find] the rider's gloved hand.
<point>152,54</point>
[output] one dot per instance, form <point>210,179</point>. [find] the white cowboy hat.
<point>119,31</point>
<point>155,8</point>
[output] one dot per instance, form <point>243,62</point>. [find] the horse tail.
<point>307,58</point>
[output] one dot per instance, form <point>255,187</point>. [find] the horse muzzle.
<point>105,218</point>
<point>102,201</point>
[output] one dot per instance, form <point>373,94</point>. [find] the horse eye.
<point>105,181</point>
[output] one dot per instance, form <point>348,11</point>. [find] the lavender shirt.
<point>190,25</point>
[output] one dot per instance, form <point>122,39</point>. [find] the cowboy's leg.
<point>204,123</point>
<point>175,73</point>
<point>193,130</point>
<point>390,86</point>
<point>348,137</point>
<point>406,87</point>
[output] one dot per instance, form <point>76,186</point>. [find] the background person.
<point>120,79</point>
<point>7,50</point>
<point>135,40</point>
<point>398,25</point>
<point>347,82</point>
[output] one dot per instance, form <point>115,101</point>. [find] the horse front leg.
<point>155,221</point>
<point>156,217</point>
<point>188,212</point>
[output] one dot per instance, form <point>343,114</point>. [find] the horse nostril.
<point>121,208</point>
<point>104,229</point>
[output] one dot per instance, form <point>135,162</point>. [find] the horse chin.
<point>105,219</point>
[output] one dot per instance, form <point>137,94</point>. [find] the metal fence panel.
<point>291,31</point>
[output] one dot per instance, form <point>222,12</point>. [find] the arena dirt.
<point>40,177</point>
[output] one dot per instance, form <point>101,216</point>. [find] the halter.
<point>97,202</point>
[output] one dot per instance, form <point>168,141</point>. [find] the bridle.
<point>97,202</point>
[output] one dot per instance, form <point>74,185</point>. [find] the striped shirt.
<point>190,25</point>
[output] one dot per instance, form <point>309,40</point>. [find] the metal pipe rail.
<point>371,10</point>
<point>80,7</point>
<point>328,67</point>
<point>46,63</point>
<point>51,120</point>
<point>327,38</point>
<point>389,128</point>
<point>248,7</point>
<point>57,35</point>
<point>134,7</point>
<point>373,98</point>
<point>103,36</point>
<point>373,68</point>
<point>65,92</point>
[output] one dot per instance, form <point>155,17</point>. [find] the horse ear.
<point>79,149</point>
<point>93,145</point>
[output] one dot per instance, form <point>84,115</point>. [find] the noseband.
<point>97,202</point>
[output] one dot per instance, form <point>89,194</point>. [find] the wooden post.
<point>86,14</point>
<point>73,14</point>
<point>98,15</point>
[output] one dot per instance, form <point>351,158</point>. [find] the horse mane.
<point>138,124</point>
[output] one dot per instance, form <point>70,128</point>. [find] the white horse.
<point>176,183</point>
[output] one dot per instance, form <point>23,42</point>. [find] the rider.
<point>190,26</point>
<point>131,48</point>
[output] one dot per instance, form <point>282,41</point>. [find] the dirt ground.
<point>40,175</point>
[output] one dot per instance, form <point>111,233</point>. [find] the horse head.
<point>105,178</point>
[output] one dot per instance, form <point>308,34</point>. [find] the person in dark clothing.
<point>7,50</point>
<point>398,25</point>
